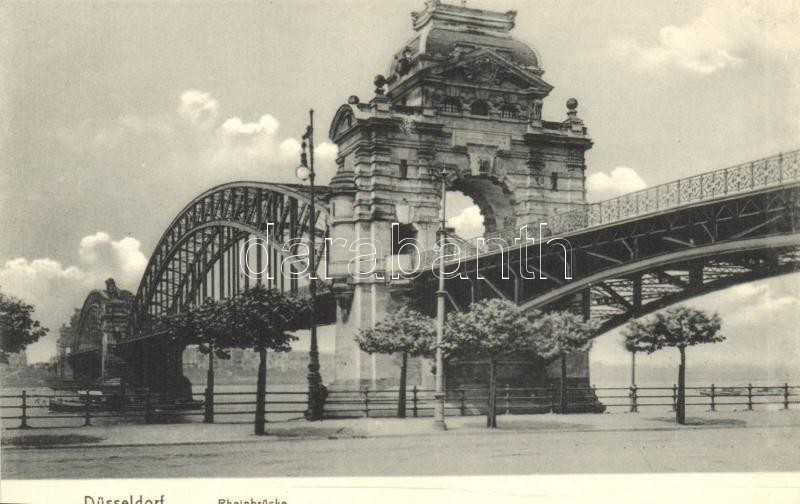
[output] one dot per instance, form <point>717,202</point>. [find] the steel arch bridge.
<point>198,256</point>
<point>627,257</point>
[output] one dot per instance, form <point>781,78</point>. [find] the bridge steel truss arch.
<point>89,331</point>
<point>198,256</point>
<point>628,269</point>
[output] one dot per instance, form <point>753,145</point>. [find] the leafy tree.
<point>678,327</point>
<point>490,329</point>
<point>633,345</point>
<point>559,334</point>
<point>405,331</point>
<point>198,325</point>
<point>18,328</point>
<point>260,319</point>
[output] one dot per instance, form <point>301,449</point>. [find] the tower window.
<point>554,181</point>
<point>402,234</point>
<point>403,169</point>
<point>479,108</point>
<point>509,111</point>
<point>450,104</point>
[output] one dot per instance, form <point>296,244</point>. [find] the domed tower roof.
<point>446,32</point>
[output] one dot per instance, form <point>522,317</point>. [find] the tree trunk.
<point>633,369</point>
<point>563,383</point>
<point>401,404</point>
<point>209,406</point>
<point>261,392</point>
<point>680,411</point>
<point>491,414</point>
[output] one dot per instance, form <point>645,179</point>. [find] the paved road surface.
<point>692,450</point>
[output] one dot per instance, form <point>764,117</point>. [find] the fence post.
<point>507,400</point>
<point>552,398</point>
<point>209,406</point>
<point>785,396</point>
<point>148,409</point>
<point>462,402</point>
<point>634,397</point>
<point>415,400</point>
<point>713,398</point>
<point>366,401</point>
<point>87,419</point>
<point>750,397</point>
<point>674,397</point>
<point>24,418</point>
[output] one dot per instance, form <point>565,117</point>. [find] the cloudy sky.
<point>117,114</point>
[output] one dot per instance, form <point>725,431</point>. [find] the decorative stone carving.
<point>536,166</point>
<point>536,110</point>
<point>408,126</point>
<point>458,52</point>
<point>344,297</point>
<point>380,83</point>
<point>111,288</point>
<point>403,62</point>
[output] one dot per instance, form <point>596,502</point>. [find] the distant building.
<point>15,360</point>
<point>245,362</point>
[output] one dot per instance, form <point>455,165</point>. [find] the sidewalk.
<point>199,433</point>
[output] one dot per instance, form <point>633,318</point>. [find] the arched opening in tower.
<point>464,215</point>
<point>479,205</point>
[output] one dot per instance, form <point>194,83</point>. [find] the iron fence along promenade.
<point>764,173</point>
<point>24,410</point>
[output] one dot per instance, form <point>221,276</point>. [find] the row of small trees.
<point>494,328</point>
<point>259,319</point>
<point>263,319</point>
<point>488,331</point>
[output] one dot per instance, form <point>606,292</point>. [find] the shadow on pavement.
<point>47,440</point>
<point>694,421</point>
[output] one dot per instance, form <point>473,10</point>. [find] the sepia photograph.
<point>272,252</point>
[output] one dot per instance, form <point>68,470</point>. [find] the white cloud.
<point>721,36</point>
<point>621,180</point>
<point>198,108</point>
<point>256,146</point>
<point>468,223</point>
<point>55,289</point>
<point>234,126</point>
<point>123,258</point>
<point>215,149</point>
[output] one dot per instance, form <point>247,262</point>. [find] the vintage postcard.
<point>284,252</point>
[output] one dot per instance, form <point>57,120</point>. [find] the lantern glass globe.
<point>303,173</point>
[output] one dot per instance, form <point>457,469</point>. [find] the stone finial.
<point>572,104</point>
<point>111,288</point>
<point>572,110</point>
<point>380,82</point>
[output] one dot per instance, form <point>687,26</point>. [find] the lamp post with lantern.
<point>305,172</point>
<point>439,395</point>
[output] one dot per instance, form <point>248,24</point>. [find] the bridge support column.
<point>577,363</point>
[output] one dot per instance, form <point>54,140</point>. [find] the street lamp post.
<point>306,172</point>
<point>438,412</point>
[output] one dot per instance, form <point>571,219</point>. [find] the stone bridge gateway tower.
<point>464,95</point>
